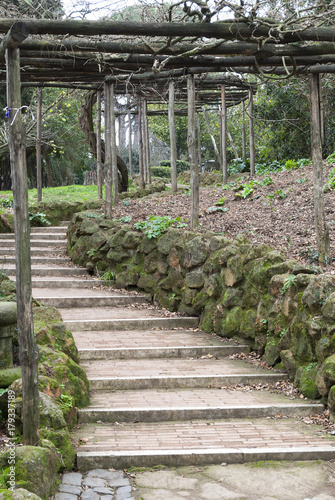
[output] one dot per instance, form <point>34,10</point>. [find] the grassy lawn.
<point>61,193</point>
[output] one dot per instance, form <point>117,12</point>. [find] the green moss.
<point>230,324</point>
<point>8,376</point>
<point>307,381</point>
<point>61,439</point>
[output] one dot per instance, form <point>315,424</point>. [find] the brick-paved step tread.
<point>196,442</point>
<point>142,339</point>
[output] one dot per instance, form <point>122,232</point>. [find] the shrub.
<point>182,165</point>
<point>161,171</point>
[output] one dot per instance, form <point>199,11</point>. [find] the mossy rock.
<point>288,360</point>
<point>168,240</point>
<point>89,227</point>
<point>324,347</point>
<point>18,494</point>
<point>212,286</point>
<point>96,241</point>
<point>207,317</point>
<point>247,323</point>
<point>195,279</point>
<point>148,244</point>
<point>230,324</point>
<point>62,441</point>
<point>167,299</point>
<point>51,415</point>
<point>8,376</point>
<point>118,254</point>
<point>302,347</point>
<point>131,240</point>
<point>325,378</point>
<point>196,251</point>
<point>148,282</point>
<point>174,281</point>
<point>8,313</point>
<point>318,291</point>
<point>232,297</point>
<point>7,222</point>
<point>331,404</point>
<point>272,352</point>
<point>306,381</point>
<point>35,469</point>
<point>218,242</point>
<point>59,366</point>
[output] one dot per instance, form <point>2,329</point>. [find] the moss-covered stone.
<point>196,252</point>
<point>168,240</point>
<point>218,242</point>
<point>174,281</point>
<point>8,314</point>
<point>272,351</point>
<point>50,414</point>
<point>8,376</point>
<point>318,291</point>
<point>247,323</point>
<point>324,348</point>
<point>61,439</point>
<point>212,286</point>
<point>18,494</point>
<point>326,375</point>
<point>232,297</point>
<point>195,279</point>
<point>328,308</point>
<point>331,404</point>
<point>207,318</point>
<point>131,239</point>
<point>306,381</point>
<point>63,369</point>
<point>289,362</point>
<point>35,469</point>
<point>230,324</point>
<point>148,282</point>
<point>89,226</point>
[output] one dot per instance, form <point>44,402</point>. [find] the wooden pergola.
<point>131,58</point>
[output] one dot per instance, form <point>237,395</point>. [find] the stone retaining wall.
<point>281,308</point>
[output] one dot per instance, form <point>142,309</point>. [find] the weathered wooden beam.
<point>223,141</point>
<point>173,143</point>
<point>140,142</point>
<point>223,48</point>
<point>15,36</point>
<point>99,161</point>
<point>251,135</point>
<point>226,30</point>
<point>115,179</point>
<point>322,231</point>
<point>39,144</point>
<point>108,150</point>
<point>28,351</point>
<point>192,153</point>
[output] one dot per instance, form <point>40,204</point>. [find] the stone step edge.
<point>176,457</point>
<point>185,381</point>
<point>74,283</point>
<point>129,324</point>
<point>160,352</point>
<point>159,414</point>
<point>93,301</point>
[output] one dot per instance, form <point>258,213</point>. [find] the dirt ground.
<point>279,214</point>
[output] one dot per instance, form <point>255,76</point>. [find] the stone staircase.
<point>163,392</point>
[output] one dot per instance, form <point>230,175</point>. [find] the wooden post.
<point>216,151</point>
<point>322,231</point>
<point>192,152</point>
<point>99,162</point>
<point>108,151</point>
<point>244,142</point>
<point>199,142</point>
<point>131,173</point>
<point>223,129</point>
<point>252,136</point>
<point>119,134</point>
<point>115,175</point>
<point>147,172</point>
<point>28,351</point>
<point>140,142</point>
<point>39,144</point>
<point>173,144</point>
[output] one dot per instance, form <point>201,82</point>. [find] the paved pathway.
<point>162,392</point>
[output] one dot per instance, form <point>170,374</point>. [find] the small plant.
<point>66,401</point>
<point>38,219</point>
<point>154,225</point>
<point>266,181</point>
<point>126,203</point>
<point>108,277</point>
<point>212,210</point>
<point>126,218</point>
<point>291,164</point>
<point>7,202</point>
<point>311,366</point>
<point>281,193</point>
<point>220,202</point>
<point>91,253</point>
<point>3,391</point>
<point>290,281</point>
<point>3,482</point>
<point>228,186</point>
<point>302,180</point>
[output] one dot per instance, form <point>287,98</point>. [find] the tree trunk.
<point>39,144</point>
<point>28,350</point>
<point>50,181</point>
<point>322,231</point>
<point>86,123</point>
<point>130,144</point>
<point>173,145</point>
<point>146,143</point>
<point>199,142</point>
<point>244,142</point>
<point>192,152</point>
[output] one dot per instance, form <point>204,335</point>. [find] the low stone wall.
<point>281,308</point>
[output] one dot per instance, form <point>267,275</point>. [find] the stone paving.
<point>96,484</point>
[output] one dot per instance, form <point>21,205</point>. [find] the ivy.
<point>154,225</point>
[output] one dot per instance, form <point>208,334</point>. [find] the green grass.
<point>62,193</point>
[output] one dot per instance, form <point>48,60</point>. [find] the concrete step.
<point>49,229</point>
<point>144,323</point>
<point>191,404</point>
<point>49,271</point>
<point>64,282</point>
<point>146,340</point>
<point>67,302</point>
<point>44,251</point>
<point>37,260</point>
<point>143,444</point>
<point>37,236</point>
<point>161,352</point>
<point>54,243</point>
